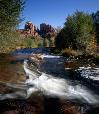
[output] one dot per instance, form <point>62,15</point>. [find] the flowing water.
<point>23,74</point>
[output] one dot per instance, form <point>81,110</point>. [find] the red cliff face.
<point>30,30</point>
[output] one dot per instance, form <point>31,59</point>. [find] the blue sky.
<point>54,12</point>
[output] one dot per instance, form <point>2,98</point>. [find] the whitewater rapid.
<point>58,87</point>
<point>50,85</point>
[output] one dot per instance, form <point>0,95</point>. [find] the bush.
<point>32,42</point>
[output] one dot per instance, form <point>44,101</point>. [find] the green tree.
<point>10,13</point>
<point>77,33</point>
<point>45,42</point>
<point>96,23</point>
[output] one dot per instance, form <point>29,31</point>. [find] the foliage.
<point>77,33</point>
<point>9,43</point>
<point>52,42</point>
<point>96,23</point>
<point>58,29</point>
<point>61,40</point>
<point>48,42</point>
<point>45,42</point>
<point>10,12</point>
<point>32,42</point>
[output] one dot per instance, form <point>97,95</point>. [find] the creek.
<point>27,73</point>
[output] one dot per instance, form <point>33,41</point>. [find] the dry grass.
<point>70,52</point>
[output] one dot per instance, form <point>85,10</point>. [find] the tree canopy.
<point>10,17</point>
<point>77,33</point>
<point>10,11</point>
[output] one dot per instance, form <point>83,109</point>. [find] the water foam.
<point>89,73</point>
<point>49,85</point>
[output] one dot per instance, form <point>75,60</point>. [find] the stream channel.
<point>44,82</point>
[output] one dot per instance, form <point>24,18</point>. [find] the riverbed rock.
<point>39,105</point>
<point>11,112</point>
<point>48,63</point>
<point>11,72</point>
<point>59,106</point>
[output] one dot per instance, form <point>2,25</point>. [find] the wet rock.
<point>5,89</point>
<point>21,107</point>
<point>57,106</point>
<point>37,57</point>
<point>92,111</point>
<point>11,112</point>
<point>71,64</point>
<point>49,63</point>
<point>39,104</point>
<point>11,71</point>
<point>37,101</point>
<point>70,108</point>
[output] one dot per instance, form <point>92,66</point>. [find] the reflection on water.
<point>10,71</point>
